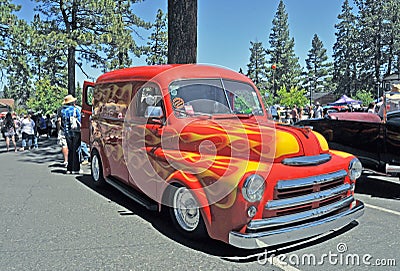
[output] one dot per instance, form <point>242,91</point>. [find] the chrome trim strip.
<point>298,217</point>
<point>298,232</point>
<point>319,179</point>
<point>307,160</point>
<point>309,198</point>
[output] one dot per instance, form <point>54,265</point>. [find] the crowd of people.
<point>294,114</point>
<point>29,127</point>
<point>65,124</point>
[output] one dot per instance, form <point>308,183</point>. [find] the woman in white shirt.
<point>27,130</point>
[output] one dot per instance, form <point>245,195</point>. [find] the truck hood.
<point>249,139</point>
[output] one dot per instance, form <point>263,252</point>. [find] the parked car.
<point>375,142</point>
<point>195,141</point>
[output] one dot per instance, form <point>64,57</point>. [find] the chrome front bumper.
<point>297,232</point>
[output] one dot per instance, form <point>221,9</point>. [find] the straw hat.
<point>396,88</point>
<point>69,99</point>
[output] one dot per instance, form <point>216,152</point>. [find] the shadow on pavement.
<point>368,185</point>
<point>47,152</point>
<point>161,222</point>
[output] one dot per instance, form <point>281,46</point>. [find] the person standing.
<point>48,125</point>
<point>9,131</point>
<point>36,135</point>
<point>71,125</point>
<point>28,132</point>
<point>311,112</point>
<point>318,111</point>
<point>295,114</point>
<point>371,108</point>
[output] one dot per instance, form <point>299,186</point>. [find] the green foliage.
<point>292,97</point>
<point>256,69</point>
<point>371,26</point>
<point>281,51</point>
<point>157,46</point>
<point>364,96</point>
<point>7,23</point>
<point>318,67</point>
<point>346,52</point>
<point>61,36</point>
<point>97,32</point>
<point>47,97</point>
<point>269,99</point>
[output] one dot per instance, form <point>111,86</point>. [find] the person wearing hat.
<point>395,88</point>
<point>71,127</point>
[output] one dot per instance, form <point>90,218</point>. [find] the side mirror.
<point>154,112</point>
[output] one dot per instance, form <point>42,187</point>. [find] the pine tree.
<point>318,67</point>
<point>371,42</point>
<point>281,52</point>
<point>157,46</point>
<point>256,69</point>
<point>47,53</point>
<point>392,30</point>
<point>11,29</point>
<point>99,32</point>
<point>346,52</point>
<point>7,21</point>
<point>16,61</point>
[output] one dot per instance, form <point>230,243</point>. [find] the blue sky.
<point>226,27</point>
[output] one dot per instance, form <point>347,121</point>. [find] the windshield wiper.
<point>233,116</point>
<point>195,113</point>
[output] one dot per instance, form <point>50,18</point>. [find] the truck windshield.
<point>212,97</point>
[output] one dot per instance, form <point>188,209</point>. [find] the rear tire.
<point>97,170</point>
<point>185,213</point>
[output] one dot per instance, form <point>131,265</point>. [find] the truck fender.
<point>191,182</point>
<point>104,161</point>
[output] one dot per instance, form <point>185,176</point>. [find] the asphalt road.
<point>53,221</point>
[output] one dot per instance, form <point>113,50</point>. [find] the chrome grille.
<point>307,194</point>
<point>298,187</point>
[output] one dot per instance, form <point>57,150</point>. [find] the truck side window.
<point>148,95</point>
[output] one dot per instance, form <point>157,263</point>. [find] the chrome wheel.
<point>95,168</point>
<point>186,210</point>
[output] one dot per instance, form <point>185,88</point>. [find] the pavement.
<point>53,221</point>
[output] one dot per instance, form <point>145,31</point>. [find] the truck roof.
<point>181,71</point>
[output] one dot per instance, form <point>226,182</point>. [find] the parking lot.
<point>52,221</point>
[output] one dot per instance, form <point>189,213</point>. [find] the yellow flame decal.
<point>286,144</point>
<point>322,141</point>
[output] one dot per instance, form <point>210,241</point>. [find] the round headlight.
<point>253,188</point>
<point>355,169</point>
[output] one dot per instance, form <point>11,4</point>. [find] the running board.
<point>133,194</point>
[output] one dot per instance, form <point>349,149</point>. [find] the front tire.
<point>97,169</point>
<point>185,213</point>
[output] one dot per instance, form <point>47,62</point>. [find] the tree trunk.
<point>71,71</point>
<point>182,31</point>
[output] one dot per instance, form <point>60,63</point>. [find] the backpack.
<point>73,120</point>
